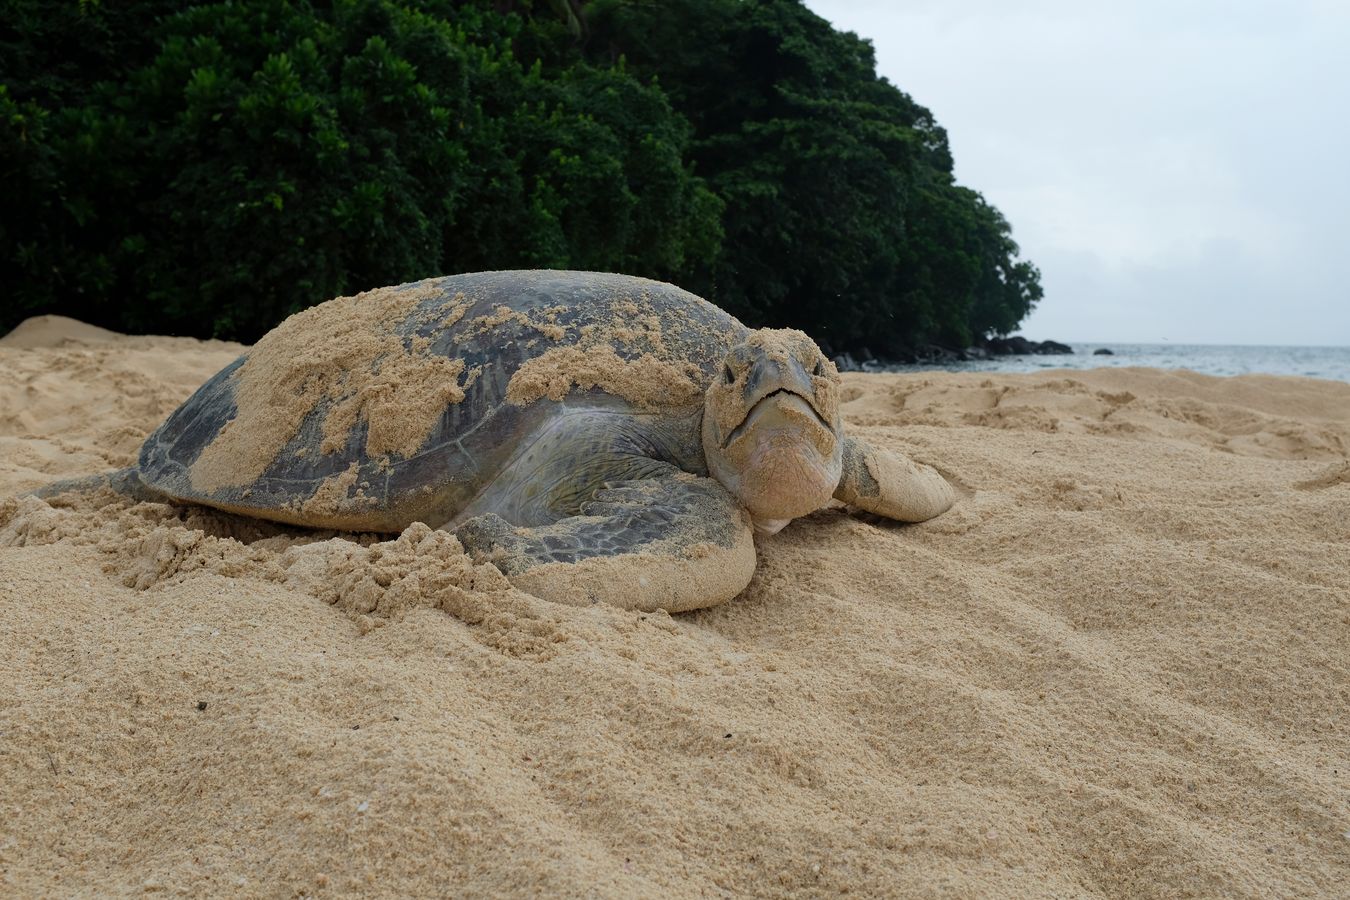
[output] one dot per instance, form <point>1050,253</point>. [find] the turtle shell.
<point>401,404</point>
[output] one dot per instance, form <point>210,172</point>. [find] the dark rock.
<point>1009,346</point>
<point>933,355</point>
<point>863,360</point>
<point>1017,345</point>
<point>845,362</point>
<point>1102,351</point>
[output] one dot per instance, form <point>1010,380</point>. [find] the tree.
<point>210,167</point>
<point>842,216</point>
<point>259,157</point>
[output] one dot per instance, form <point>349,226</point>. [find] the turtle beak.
<point>775,375</point>
<point>771,375</point>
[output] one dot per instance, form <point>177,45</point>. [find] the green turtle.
<point>597,437</point>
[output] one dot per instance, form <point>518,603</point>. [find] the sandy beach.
<point>1120,666</point>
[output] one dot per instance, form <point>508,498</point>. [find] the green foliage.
<point>208,168</point>
<point>842,216</point>
<point>260,157</point>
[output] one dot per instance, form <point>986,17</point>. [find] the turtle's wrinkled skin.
<point>617,440</point>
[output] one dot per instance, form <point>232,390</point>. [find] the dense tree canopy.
<point>208,168</point>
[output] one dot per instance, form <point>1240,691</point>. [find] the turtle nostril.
<point>728,375</point>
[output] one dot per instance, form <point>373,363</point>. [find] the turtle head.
<point>772,433</point>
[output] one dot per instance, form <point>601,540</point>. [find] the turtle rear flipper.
<point>674,542</point>
<point>123,481</point>
<point>891,485</point>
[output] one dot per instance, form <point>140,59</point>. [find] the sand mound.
<point>1117,667</point>
<point>83,399</point>
<point>56,331</point>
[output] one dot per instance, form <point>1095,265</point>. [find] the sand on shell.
<point>1117,668</point>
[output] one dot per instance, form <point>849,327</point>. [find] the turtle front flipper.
<point>891,485</point>
<point>674,542</point>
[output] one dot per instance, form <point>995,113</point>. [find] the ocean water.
<point>1211,359</point>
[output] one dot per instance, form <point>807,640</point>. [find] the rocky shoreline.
<point>932,354</point>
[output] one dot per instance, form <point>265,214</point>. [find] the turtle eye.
<point>727,375</point>
<point>819,369</point>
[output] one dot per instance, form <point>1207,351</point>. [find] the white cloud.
<point>1176,169</point>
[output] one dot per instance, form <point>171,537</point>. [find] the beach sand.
<point>1119,667</point>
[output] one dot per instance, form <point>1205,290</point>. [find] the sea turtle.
<point>599,438</point>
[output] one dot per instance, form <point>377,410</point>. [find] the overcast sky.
<point>1178,169</point>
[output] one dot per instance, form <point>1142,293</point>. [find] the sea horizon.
<point>1331,363</point>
